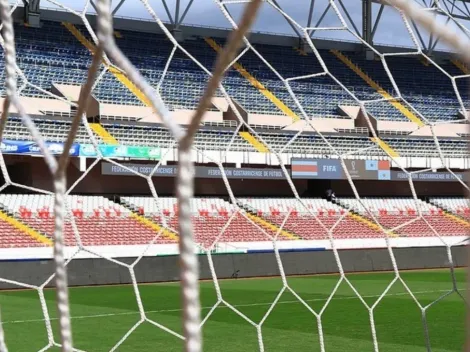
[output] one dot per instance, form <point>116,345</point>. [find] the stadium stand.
<point>213,219</point>
<point>54,130</point>
<point>13,237</point>
<point>214,137</point>
<point>402,215</point>
<point>45,62</point>
<point>458,206</point>
<point>314,219</point>
<point>425,87</point>
<point>99,220</point>
<point>27,220</point>
<point>60,53</point>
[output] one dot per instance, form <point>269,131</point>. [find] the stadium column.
<point>367,21</point>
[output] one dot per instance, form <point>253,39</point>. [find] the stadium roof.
<point>370,20</point>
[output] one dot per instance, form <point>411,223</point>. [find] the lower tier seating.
<point>458,206</point>
<point>403,216</point>
<point>98,220</point>
<point>12,237</point>
<point>311,219</point>
<point>137,220</point>
<point>214,220</point>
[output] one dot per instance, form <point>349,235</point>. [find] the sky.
<point>391,29</point>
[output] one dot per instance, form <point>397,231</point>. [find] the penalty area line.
<point>107,315</point>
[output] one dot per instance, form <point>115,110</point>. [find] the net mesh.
<point>108,59</point>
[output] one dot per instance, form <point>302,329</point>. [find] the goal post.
<point>107,56</point>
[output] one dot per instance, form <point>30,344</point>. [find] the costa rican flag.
<point>304,168</point>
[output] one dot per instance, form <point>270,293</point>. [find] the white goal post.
<point>108,51</point>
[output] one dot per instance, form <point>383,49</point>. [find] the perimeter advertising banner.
<point>121,151</point>
<point>31,148</point>
<point>86,150</point>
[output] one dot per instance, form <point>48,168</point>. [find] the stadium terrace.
<point>329,204</point>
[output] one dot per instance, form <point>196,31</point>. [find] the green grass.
<point>103,314</point>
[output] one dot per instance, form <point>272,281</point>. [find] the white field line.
<point>222,306</point>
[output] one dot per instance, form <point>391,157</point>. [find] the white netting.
<point>107,58</point>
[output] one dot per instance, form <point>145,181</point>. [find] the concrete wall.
<point>154,269</point>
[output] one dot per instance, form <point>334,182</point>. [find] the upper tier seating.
<point>99,221</point>
<point>311,220</point>
<point>213,138</point>
<point>393,213</point>
<point>52,54</point>
<point>51,130</point>
<point>426,88</point>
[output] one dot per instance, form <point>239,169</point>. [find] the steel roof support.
<point>288,20</point>
<point>168,12</point>
<point>366,21</point>
<point>184,13</point>
<point>177,11</point>
<point>349,17</point>
<point>376,23</point>
<point>310,14</point>
<point>418,33</point>
<point>321,19</point>
<point>118,6</point>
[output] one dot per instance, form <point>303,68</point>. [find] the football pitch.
<point>102,315</point>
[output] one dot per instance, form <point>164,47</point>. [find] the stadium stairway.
<point>103,133</point>
<point>452,216</point>
<point>362,219</point>
<point>269,226</point>
<point>156,227</point>
<point>121,77</point>
<point>247,136</point>
<point>385,147</point>
<point>455,218</point>
<point>399,106</point>
<point>461,66</point>
<point>255,83</point>
<point>382,145</point>
<point>25,229</point>
<point>255,142</point>
<point>167,233</point>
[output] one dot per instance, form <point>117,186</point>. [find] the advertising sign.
<point>121,151</point>
<point>31,148</point>
<point>331,169</point>
<point>200,171</point>
<point>316,169</point>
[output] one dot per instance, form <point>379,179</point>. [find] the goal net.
<point>261,91</point>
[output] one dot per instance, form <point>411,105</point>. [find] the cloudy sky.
<point>391,29</point>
